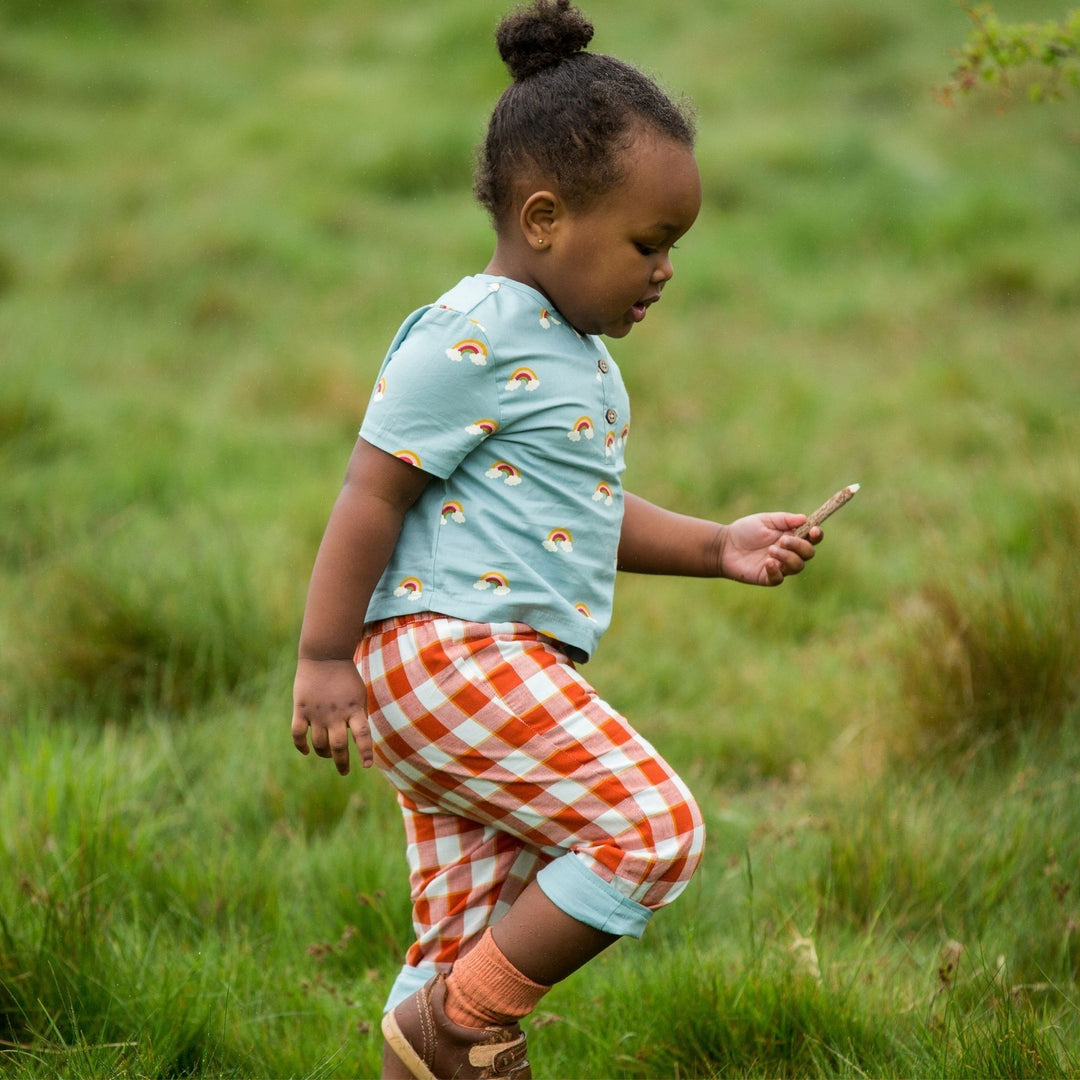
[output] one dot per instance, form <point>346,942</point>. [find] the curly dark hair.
<point>568,112</point>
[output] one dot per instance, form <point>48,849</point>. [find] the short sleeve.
<point>436,397</point>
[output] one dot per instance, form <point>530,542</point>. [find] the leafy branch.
<point>1048,53</point>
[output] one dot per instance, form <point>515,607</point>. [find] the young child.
<point>472,553</point>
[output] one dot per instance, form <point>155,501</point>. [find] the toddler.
<point>472,554</point>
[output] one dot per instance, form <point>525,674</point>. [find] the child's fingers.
<point>801,548</point>
<point>331,741</point>
<point>361,733</point>
<point>338,747</point>
<point>791,554</point>
<point>299,731</point>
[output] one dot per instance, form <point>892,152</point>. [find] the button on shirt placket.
<point>611,403</point>
<point>610,414</point>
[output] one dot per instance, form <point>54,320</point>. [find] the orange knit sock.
<point>485,989</point>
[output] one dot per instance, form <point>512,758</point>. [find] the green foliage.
<point>1045,55</point>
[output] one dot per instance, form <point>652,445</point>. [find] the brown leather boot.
<point>433,1047</point>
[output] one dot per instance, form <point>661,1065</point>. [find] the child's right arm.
<point>329,697</point>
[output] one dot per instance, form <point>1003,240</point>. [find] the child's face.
<point>609,262</point>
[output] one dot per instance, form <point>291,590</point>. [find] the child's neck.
<point>513,261</point>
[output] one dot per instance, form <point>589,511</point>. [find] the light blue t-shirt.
<point>523,421</point>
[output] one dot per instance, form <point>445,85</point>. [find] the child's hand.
<point>329,698</point>
<point>762,550</point>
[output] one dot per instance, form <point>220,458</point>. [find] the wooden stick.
<point>826,509</point>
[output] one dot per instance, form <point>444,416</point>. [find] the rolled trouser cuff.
<point>573,888</point>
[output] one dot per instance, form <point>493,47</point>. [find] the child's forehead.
<point>661,176</point>
<point>646,146</point>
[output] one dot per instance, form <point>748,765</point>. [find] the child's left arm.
<point>760,549</point>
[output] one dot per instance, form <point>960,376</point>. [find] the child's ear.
<point>538,216</point>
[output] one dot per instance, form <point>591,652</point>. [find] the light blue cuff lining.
<point>571,886</point>
<point>408,981</point>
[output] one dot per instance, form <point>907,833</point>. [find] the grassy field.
<point>214,214</point>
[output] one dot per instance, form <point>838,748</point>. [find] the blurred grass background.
<point>213,216</point>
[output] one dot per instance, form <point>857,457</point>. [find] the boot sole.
<point>403,1049</point>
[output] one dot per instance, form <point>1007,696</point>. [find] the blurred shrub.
<point>421,166</point>
<point>137,13</point>
<point>996,52</point>
<point>840,32</point>
<point>30,428</point>
<point>988,654</point>
<point>8,273</point>
<point>991,657</point>
<point>157,615</point>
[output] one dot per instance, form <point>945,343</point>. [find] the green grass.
<point>212,218</point>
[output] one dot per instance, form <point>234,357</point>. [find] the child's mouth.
<point>637,312</point>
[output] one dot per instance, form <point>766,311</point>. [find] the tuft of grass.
<point>990,857</point>
<point>86,987</point>
<point>765,1023</point>
<point>150,925</point>
<point>77,1001</point>
<point>979,1025</point>
<point>994,653</point>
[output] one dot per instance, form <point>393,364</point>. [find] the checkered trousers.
<point>505,760</point>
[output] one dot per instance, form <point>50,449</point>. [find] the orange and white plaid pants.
<point>509,767</point>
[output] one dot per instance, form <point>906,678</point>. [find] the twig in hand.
<point>826,509</point>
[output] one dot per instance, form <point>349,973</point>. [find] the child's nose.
<point>664,270</point>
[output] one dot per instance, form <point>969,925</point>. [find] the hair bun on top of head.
<point>540,36</point>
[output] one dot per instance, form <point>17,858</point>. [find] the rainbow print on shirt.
<point>380,390</point>
<point>559,540</point>
<point>609,444</point>
<point>583,609</point>
<point>492,580</point>
<point>484,427</point>
<point>409,456</point>
<point>547,320</point>
<point>603,493</point>
<point>475,350</point>
<point>452,511</point>
<point>583,428</point>
<point>411,587</point>
<point>506,471</point>
<point>523,377</point>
